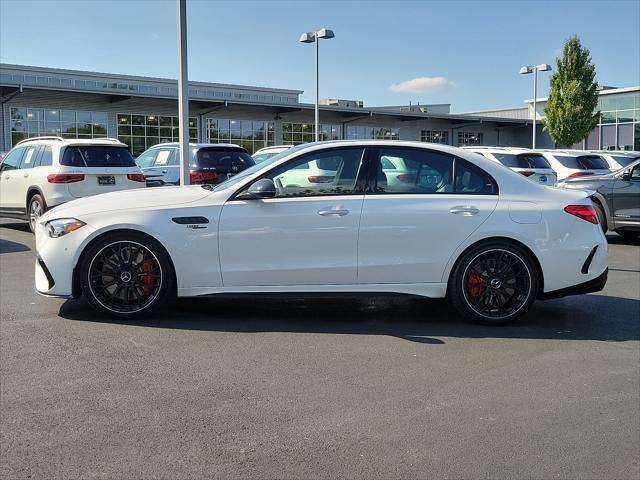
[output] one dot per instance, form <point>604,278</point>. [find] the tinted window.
<point>473,180</point>
<point>146,159</point>
<point>46,157</point>
<point>585,162</point>
<point>29,157</point>
<point>12,159</point>
<point>635,173</point>
<point>97,156</point>
<point>261,157</point>
<point>624,160</point>
<point>522,160</point>
<point>224,160</point>
<point>424,171</point>
<point>338,177</point>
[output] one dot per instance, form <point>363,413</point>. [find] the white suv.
<point>532,165</point>
<point>571,164</point>
<point>43,172</point>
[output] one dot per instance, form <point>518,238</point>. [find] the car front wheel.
<point>126,275</point>
<point>494,283</point>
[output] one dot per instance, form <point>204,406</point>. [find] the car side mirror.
<point>626,175</point>
<point>263,188</point>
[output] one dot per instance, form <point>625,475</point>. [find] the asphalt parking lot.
<point>318,388</point>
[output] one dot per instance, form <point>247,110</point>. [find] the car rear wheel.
<point>494,283</point>
<point>35,209</point>
<point>126,275</point>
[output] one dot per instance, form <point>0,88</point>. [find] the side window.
<point>146,159</point>
<point>162,158</point>
<point>329,172</point>
<point>473,180</point>
<point>12,160</point>
<point>635,173</point>
<point>175,158</point>
<point>29,157</point>
<point>413,171</point>
<point>46,157</point>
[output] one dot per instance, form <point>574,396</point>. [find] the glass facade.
<point>33,122</point>
<point>619,127</point>
<point>470,138</point>
<point>372,133</point>
<point>297,133</point>
<point>143,131</point>
<point>434,136</point>
<point>252,135</point>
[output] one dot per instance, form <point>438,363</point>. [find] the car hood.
<point>128,199</point>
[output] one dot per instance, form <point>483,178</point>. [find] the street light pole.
<point>183,91</point>
<point>317,106</point>
<point>311,37</point>
<point>543,67</point>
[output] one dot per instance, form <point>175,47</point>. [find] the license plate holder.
<point>106,180</point>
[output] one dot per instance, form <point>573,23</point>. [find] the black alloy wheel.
<point>127,276</point>
<point>494,284</point>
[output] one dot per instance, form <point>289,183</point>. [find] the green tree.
<point>573,97</point>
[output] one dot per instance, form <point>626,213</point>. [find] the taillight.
<point>196,177</point>
<point>585,212</point>
<point>320,179</point>
<point>136,177</point>
<point>580,174</point>
<point>404,177</point>
<point>526,173</point>
<point>65,178</point>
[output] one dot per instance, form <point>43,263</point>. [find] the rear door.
<point>102,169</point>
<point>410,229</point>
<point>163,167</point>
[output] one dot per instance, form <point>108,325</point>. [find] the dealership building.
<point>143,111</point>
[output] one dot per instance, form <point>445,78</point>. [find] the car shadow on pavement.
<point>615,239</point>
<point>7,246</point>
<point>20,226</point>
<point>587,317</point>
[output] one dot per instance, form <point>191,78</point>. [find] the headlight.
<point>62,226</point>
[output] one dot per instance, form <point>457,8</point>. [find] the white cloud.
<point>420,85</point>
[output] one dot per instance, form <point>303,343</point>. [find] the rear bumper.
<point>590,286</point>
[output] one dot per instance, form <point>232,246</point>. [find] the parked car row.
<point>43,172</point>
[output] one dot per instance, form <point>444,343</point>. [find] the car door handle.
<point>327,212</point>
<point>25,175</point>
<point>7,177</point>
<point>464,210</point>
<point>165,171</point>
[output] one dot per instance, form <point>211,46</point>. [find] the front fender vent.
<point>190,220</point>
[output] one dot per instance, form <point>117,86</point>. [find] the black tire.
<point>628,234</point>
<point>36,207</point>
<point>493,283</point>
<point>126,275</point>
<point>601,217</point>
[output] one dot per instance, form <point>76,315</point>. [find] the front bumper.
<point>590,286</point>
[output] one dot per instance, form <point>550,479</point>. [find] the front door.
<point>626,198</point>
<point>306,235</point>
<point>412,222</point>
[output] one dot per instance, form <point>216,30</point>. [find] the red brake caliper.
<point>475,284</point>
<point>149,280</point>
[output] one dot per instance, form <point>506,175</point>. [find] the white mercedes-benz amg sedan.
<point>458,225</point>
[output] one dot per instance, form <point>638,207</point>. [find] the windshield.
<point>585,162</point>
<point>223,159</point>
<point>261,157</point>
<point>257,167</point>
<point>522,160</point>
<point>97,156</point>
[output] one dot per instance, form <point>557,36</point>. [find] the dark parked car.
<point>616,198</point>
<point>210,163</point>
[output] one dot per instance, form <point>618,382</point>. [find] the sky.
<point>466,53</point>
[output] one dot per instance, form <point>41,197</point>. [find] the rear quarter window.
<point>97,156</point>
